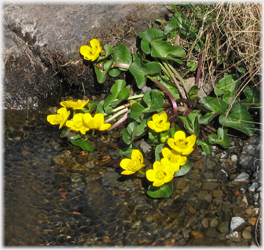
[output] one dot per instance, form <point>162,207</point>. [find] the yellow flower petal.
<point>105,126</point>
<point>179,135</point>
<point>137,155</point>
<point>159,123</point>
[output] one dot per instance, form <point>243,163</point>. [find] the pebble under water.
<point>56,194</point>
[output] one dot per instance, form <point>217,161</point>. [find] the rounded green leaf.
<point>83,144</point>
<point>183,170</point>
<point>205,146</point>
<point>162,191</point>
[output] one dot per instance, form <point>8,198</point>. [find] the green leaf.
<point>239,118</point>
<point>191,123</point>
<point>168,85</point>
<point>193,93</point>
<point>91,106</point>
<point>164,50</point>
<point>229,83</point>
<point>114,72</point>
<point>100,107</point>
<point>252,95</point>
<point>221,138</point>
<point>108,52</point>
<point>183,170</point>
<point>205,146</point>
<point>116,88</point>
<point>136,111</point>
<point>122,55</point>
<point>192,65</point>
<point>162,191</point>
<point>124,94</point>
<point>140,71</point>
<point>101,74</point>
<point>158,154</point>
<point>127,151</point>
<point>83,144</point>
<point>208,117</point>
<point>147,36</point>
<point>153,100</point>
<point>216,105</point>
<point>172,25</point>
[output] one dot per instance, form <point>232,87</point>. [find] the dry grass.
<point>233,37</point>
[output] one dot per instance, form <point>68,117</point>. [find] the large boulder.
<point>42,41</point>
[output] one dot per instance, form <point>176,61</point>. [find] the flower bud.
<point>99,65</point>
<point>164,139</point>
<point>103,52</point>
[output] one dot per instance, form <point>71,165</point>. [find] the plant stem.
<point>121,65</point>
<point>116,115</point>
<point>174,104</point>
<point>176,83</point>
<point>118,122</point>
<point>198,70</point>
<point>143,173</point>
<point>135,97</point>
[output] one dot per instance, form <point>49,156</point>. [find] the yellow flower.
<point>93,52</point>
<point>77,123</point>
<point>161,173</point>
<point>159,123</point>
<point>74,104</point>
<point>174,158</point>
<point>181,144</point>
<point>96,122</point>
<point>134,164</point>
<point>59,118</point>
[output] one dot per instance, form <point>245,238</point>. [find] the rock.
<point>169,242</point>
<point>197,234</point>
<point>241,178</point>
<point>210,185</point>
<point>42,42</point>
<point>204,195</point>
<point>235,236</point>
<point>211,233</point>
<point>191,209</point>
<point>236,222</point>
<point>234,158</point>
<point>246,235</point>
<point>239,211</point>
<point>217,193</point>
<point>252,211</point>
<point>248,159</point>
<point>214,222</point>
<point>253,187</point>
<point>252,221</point>
<point>205,222</point>
<point>242,201</point>
<point>109,179</point>
<point>223,227</point>
<point>181,183</point>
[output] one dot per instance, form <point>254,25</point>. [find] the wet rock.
<point>253,187</point>
<point>169,242</point>
<point>210,185</point>
<point>246,234</point>
<point>211,233</point>
<point>110,179</point>
<point>197,234</point>
<point>242,201</point>
<point>223,227</point>
<point>235,236</point>
<point>236,223</point>
<point>205,222</point>
<point>250,153</point>
<point>241,178</point>
<point>252,211</point>
<point>214,222</point>
<point>239,211</point>
<point>204,196</point>
<point>181,183</point>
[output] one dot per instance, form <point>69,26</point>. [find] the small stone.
<point>106,239</point>
<point>229,162</point>
<point>236,222</point>
<point>223,227</point>
<point>205,195</point>
<point>191,209</point>
<point>246,235</point>
<point>211,233</point>
<point>253,187</point>
<point>208,185</point>
<point>214,222</point>
<point>242,201</point>
<point>256,197</point>
<point>169,242</point>
<point>199,165</point>
<point>205,222</point>
<point>234,158</point>
<point>252,221</point>
<point>239,211</point>
<point>181,184</point>
<point>241,178</point>
<point>197,234</point>
<point>252,211</point>
<point>235,236</point>
<point>217,193</point>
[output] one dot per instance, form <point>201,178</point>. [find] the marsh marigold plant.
<point>93,52</point>
<point>159,123</point>
<point>59,118</point>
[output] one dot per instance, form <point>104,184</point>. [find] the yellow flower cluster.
<point>80,122</point>
<point>93,52</point>
<point>163,171</point>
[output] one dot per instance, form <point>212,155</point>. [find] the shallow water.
<point>57,195</point>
